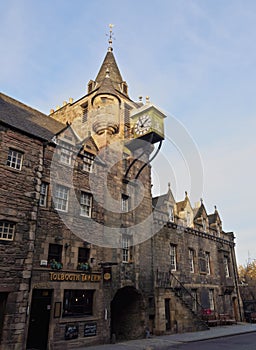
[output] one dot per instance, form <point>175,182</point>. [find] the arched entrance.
<point>128,314</point>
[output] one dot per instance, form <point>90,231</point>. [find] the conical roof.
<point>109,65</point>
<point>109,79</point>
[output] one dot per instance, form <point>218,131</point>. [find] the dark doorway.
<point>39,319</point>
<point>128,314</point>
<point>3,298</point>
<point>167,314</point>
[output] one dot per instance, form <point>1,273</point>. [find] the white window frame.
<point>15,159</point>
<point>88,161</point>
<point>86,204</point>
<point>211,299</point>
<point>170,213</point>
<point>7,230</point>
<point>188,218</point>
<point>226,266</point>
<point>126,241</point>
<point>43,194</point>
<point>207,262</point>
<point>65,155</point>
<point>61,198</point>
<point>173,258</point>
<point>191,260</point>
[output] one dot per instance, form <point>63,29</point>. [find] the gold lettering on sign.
<point>70,277</point>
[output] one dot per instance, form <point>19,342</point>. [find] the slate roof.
<point>27,119</point>
<point>110,64</point>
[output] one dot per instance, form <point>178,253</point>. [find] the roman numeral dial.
<point>142,125</point>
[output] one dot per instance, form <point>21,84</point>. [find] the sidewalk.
<point>164,342</point>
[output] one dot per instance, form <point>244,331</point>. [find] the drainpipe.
<point>236,280</point>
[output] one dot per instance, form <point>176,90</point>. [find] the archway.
<point>128,314</point>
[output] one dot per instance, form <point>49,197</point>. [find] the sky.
<point>195,59</point>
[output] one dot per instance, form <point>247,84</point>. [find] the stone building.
<point>87,255</point>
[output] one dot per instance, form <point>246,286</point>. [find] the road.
<point>235,342</point>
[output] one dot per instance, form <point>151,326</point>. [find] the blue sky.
<point>196,59</point>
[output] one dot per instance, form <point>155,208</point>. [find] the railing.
<point>168,280</point>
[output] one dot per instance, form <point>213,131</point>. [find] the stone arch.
<point>128,314</point>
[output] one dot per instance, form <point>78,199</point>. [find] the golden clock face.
<point>142,125</point>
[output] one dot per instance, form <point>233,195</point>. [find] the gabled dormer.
<point>164,206</point>
<point>185,212</point>
<point>201,217</point>
<point>215,223</point>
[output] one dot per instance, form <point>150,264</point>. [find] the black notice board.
<point>90,329</point>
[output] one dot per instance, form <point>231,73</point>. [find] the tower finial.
<point>110,40</point>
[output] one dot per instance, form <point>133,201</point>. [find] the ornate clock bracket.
<point>145,164</point>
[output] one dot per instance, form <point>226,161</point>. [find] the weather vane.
<point>110,40</point>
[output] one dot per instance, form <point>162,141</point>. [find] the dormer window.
<point>90,86</point>
<point>88,161</point>
<point>170,214</point>
<point>124,88</point>
<point>188,218</point>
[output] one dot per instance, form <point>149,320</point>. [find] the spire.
<point>109,69</point>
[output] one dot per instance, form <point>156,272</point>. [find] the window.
<point>125,203</point>
<point>204,225</point>
<point>14,159</point>
<point>55,252</point>
<point>211,299</point>
<point>126,242</point>
<point>191,259</point>
<point>207,262</point>
<point>83,255</point>
<point>173,262</point>
<point>88,161</point>
<point>85,204</point>
<point>170,214</point>
<point>77,302</point>
<point>65,153</point>
<point>61,198</point>
<point>188,218</point>
<point>43,194</point>
<point>7,230</point>
<point>226,266</point>
<point>85,113</point>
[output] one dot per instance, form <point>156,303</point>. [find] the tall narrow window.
<point>125,203</point>
<point>125,249</point>
<point>7,230</point>
<point>170,213</point>
<point>88,161</point>
<point>61,198</point>
<point>226,266</point>
<point>207,262</point>
<point>188,218</point>
<point>14,159</point>
<point>85,204</point>
<point>85,113</point>
<point>211,299</point>
<point>173,262</point>
<point>43,194</point>
<point>191,259</point>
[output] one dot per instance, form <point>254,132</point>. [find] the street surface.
<point>235,342</point>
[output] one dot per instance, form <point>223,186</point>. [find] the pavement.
<point>164,342</point>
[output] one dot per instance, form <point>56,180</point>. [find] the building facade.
<point>87,255</point>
